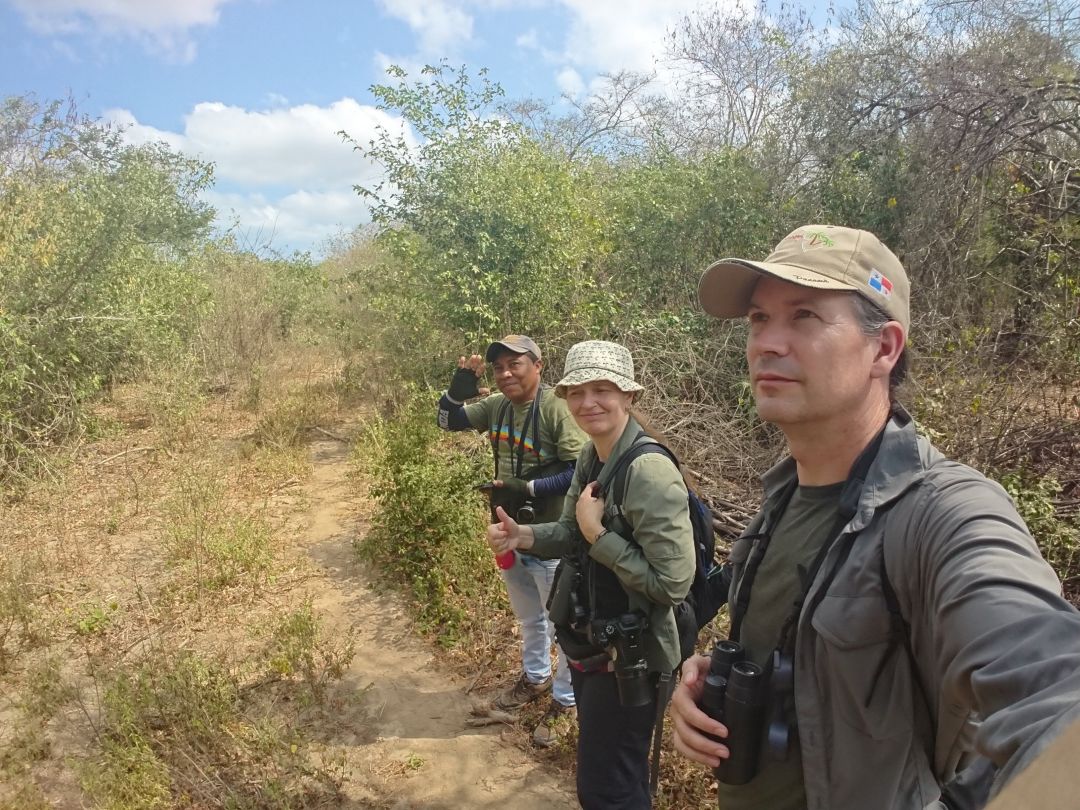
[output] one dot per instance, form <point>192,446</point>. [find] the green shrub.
<point>427,530</point>
<point>94,619</point>
<point>300,650</point>
<point>94,241</point>
<point>1058,540</point>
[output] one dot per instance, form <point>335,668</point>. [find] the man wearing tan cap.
<point>905,644</point>
<point>535,443</point>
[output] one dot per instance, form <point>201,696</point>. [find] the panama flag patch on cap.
<point>880,283</point>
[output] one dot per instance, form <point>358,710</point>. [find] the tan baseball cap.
<point>826,257</point>
<point>518,344</point>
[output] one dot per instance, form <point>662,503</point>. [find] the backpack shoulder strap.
<point>617,483</point>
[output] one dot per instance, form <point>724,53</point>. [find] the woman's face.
<point>599,407</point>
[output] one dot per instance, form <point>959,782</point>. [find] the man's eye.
<point>805,313</point>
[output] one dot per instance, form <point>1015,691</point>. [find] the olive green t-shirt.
<point>807,522</point>
<point>560,438</point>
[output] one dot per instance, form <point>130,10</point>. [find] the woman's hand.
<point>589,512</point>
<point>508,534</point>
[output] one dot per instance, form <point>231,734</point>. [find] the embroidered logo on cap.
<point>808,240</point>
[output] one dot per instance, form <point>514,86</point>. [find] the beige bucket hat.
<point>593,360</point>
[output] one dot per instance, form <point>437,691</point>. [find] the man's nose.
<point>768,339</point>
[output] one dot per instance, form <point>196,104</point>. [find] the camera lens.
<point>526,514</point>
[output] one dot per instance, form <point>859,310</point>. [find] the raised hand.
<point>589,511</point>
<point>504,535</point>
<point>463,385</point>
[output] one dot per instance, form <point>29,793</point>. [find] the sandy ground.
<point>413,748</point>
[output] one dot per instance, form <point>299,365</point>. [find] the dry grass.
<point>102,593</point>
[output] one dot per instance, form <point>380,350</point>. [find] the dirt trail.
<point>412,746</point>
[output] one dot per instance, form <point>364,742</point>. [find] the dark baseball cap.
<point>518,344</point>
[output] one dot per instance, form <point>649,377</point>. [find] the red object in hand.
<point>505,560</point>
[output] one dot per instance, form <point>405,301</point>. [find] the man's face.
<point>517,376</point>
<point>810,364</point>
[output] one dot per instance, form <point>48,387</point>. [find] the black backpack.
<point>708,591</point>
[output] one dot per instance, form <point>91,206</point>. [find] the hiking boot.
<point>522,692</point>
<point>554,724</point>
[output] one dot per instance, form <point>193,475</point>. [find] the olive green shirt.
<point>656,568</point>
<point>807,522</point>
<point>560,438</point>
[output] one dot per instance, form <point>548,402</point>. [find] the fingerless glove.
<point>463,385</point>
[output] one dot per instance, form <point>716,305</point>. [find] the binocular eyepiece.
<point>624,637</point>
<point>734,694</point>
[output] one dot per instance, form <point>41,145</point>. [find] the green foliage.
<point>427,530</point>
<point>1058,540</point>
<point>485,225</point>
<point>299,649</point>
<point>673,216</point>
<point>94,242</point>
<point>94,620</point>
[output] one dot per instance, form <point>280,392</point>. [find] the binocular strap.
<point>663,695</point>
<point>533,417</point>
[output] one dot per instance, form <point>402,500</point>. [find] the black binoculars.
<point>734,694</point>
<point>624,637</point>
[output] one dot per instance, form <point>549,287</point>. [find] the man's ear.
<point>890,344</point>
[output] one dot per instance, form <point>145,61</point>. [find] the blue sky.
<point>260,87</point>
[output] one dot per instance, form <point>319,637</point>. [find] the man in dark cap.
<point>535,443</point>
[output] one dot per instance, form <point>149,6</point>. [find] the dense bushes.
<point>108,268</point>
<point>427,530</point>
<point>598,224</point>
<point>95,242</point>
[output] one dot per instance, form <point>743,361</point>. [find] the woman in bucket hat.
<point>622,572</point>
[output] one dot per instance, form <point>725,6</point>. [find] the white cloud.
<point>162,24</point>
<point>303,220</point>
<point>612,35</point>
<point>529,40</point>
<point>295,146</point>
<point>287,170</point>
<point>444,28</point>
<point>570,82</point>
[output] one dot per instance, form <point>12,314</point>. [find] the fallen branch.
<point>124,453</point>
<point>328,434</point>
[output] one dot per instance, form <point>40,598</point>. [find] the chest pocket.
<point>861,668</point>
